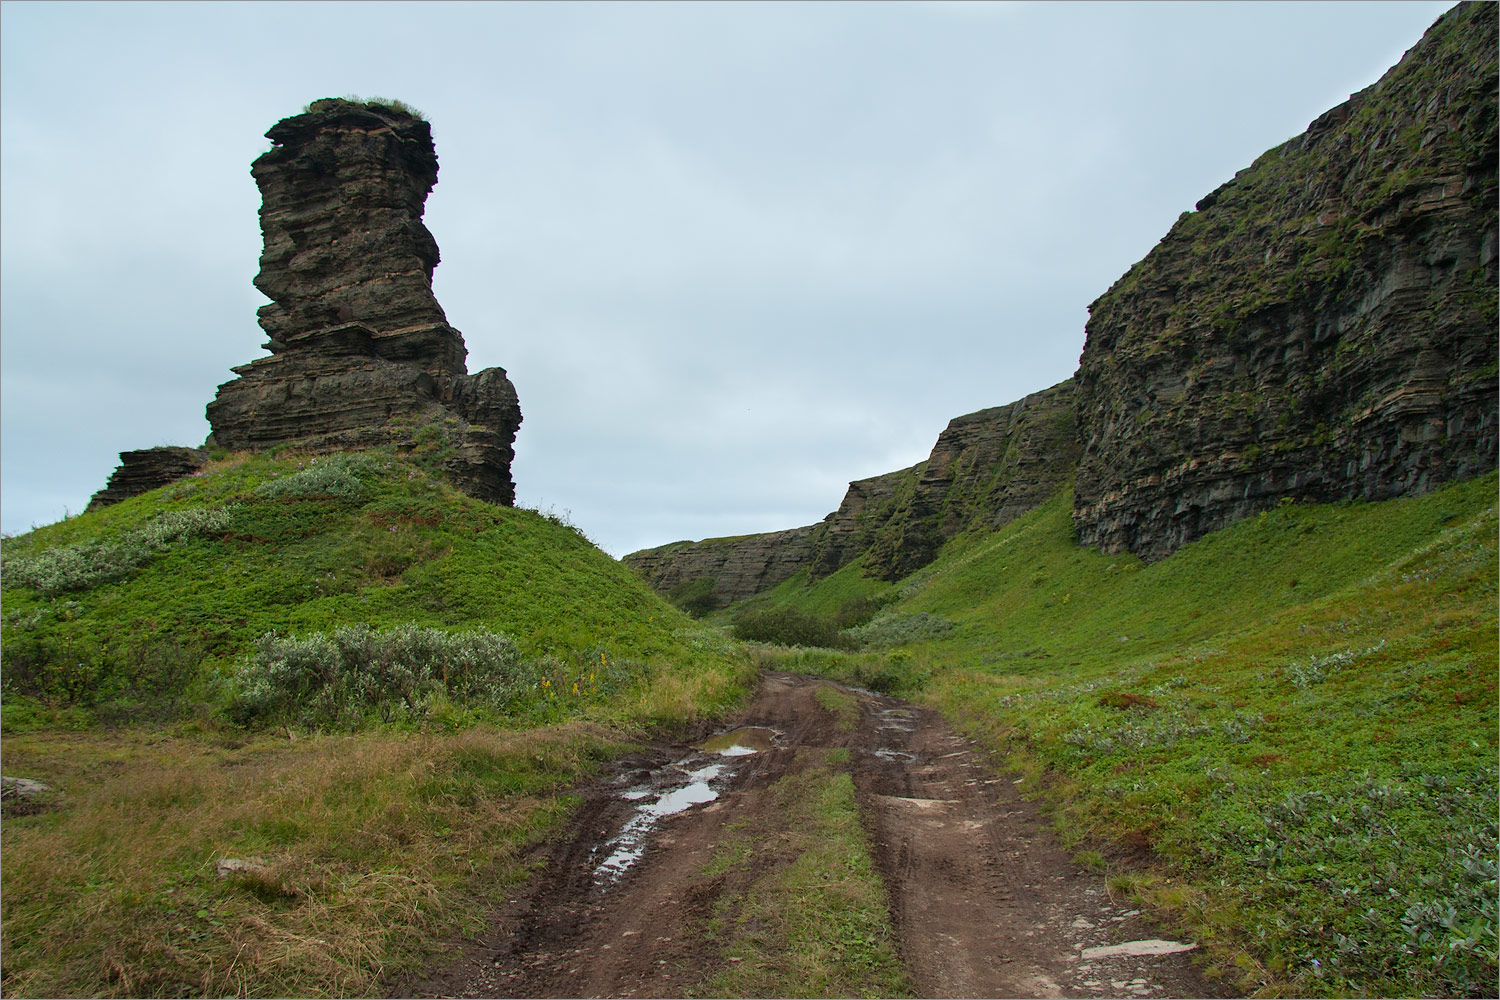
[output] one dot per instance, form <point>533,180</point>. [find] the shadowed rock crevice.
<point>361,351</point>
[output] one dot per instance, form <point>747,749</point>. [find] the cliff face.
<point>361,352</point>
<point>1322,327</point>
<point>738,567</point>
<point>986,469</point>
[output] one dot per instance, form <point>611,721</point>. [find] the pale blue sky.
<point>732,255</point>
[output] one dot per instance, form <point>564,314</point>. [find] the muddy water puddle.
<point>900,720</point>
<point>672,789</point>
<point>740,742</point>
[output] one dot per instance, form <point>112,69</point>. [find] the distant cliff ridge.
<point>986,469</point>
<point>1322,328</point>
<point>361,352</point>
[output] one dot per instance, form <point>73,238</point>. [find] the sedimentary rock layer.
<point>986,469</point>
<point>739,567</point>
<point>361,352</point>
<point>1321,328</point>
<point>145,470</point>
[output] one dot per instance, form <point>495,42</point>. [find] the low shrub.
<point>79,567</point>
<point>343,678</point>
<point>859,610</point>
<point>897,673</point>
<point>63,669</point>
<point>336,476</point>
<point>893,628</point>
<point>786,626</point>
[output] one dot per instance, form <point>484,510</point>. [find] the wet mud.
<point>984,902</point>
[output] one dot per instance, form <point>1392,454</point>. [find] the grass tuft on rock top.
<point>1282,737</point>
<point>366,686</point>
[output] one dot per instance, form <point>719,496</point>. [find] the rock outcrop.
<point>986,469</point>
<point>738,567</point>
<point>1322,327</point>
<point>361,352</point>
<point>147,469</point>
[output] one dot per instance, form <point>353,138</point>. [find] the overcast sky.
<point>731,255</point>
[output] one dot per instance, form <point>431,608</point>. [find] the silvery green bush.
<point>338,476</point>
<point>895,628</point>
<point>79,567</point>
<point>341,678</point>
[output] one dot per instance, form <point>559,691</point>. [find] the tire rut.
<point>983,900</point>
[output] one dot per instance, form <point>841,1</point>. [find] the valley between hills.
<point>1175,679</point>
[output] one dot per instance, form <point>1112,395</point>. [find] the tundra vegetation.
<point>1282,738</point>
<point>369,689</point>
<point>375,692</point>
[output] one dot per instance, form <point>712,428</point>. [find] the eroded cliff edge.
<point>986,469</point>
<point>1321,328</point>
<point>361,352</point>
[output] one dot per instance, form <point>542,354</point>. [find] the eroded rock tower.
<point>361,352</point>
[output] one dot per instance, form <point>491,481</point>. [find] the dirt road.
<point>984,902</point>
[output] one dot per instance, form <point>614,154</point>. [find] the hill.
<point>360,689</point>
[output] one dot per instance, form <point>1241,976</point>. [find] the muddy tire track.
<point>983,900</point>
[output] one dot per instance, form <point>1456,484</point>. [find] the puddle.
<point>739,742</point>
<point>900,719</point>
<point>627,846</point>
<point>900,755</point>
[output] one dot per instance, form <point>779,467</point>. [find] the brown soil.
<point>984,902</point>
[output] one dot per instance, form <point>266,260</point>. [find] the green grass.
<point>1283,737</point>
<point>803,911</point>
<point>397,547</point>
<point>129,633</point>
<point>372,849</point>
<point>843,705</point>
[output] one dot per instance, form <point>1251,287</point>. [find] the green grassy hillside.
<point>1283,736</point>
<point>367,686</point>
<point>145,606</point>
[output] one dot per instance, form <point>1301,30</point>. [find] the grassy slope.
<point>1283,736</point>
<point>375,844</point>
<point>408,549</point>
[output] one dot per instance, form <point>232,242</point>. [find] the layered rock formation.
<point>145,470</point>
<point>361,352</point>
<point>738,567</point>
<point>1321,328</point>
<point>986,469</point>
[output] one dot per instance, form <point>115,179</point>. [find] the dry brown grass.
<point>376,848</point>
